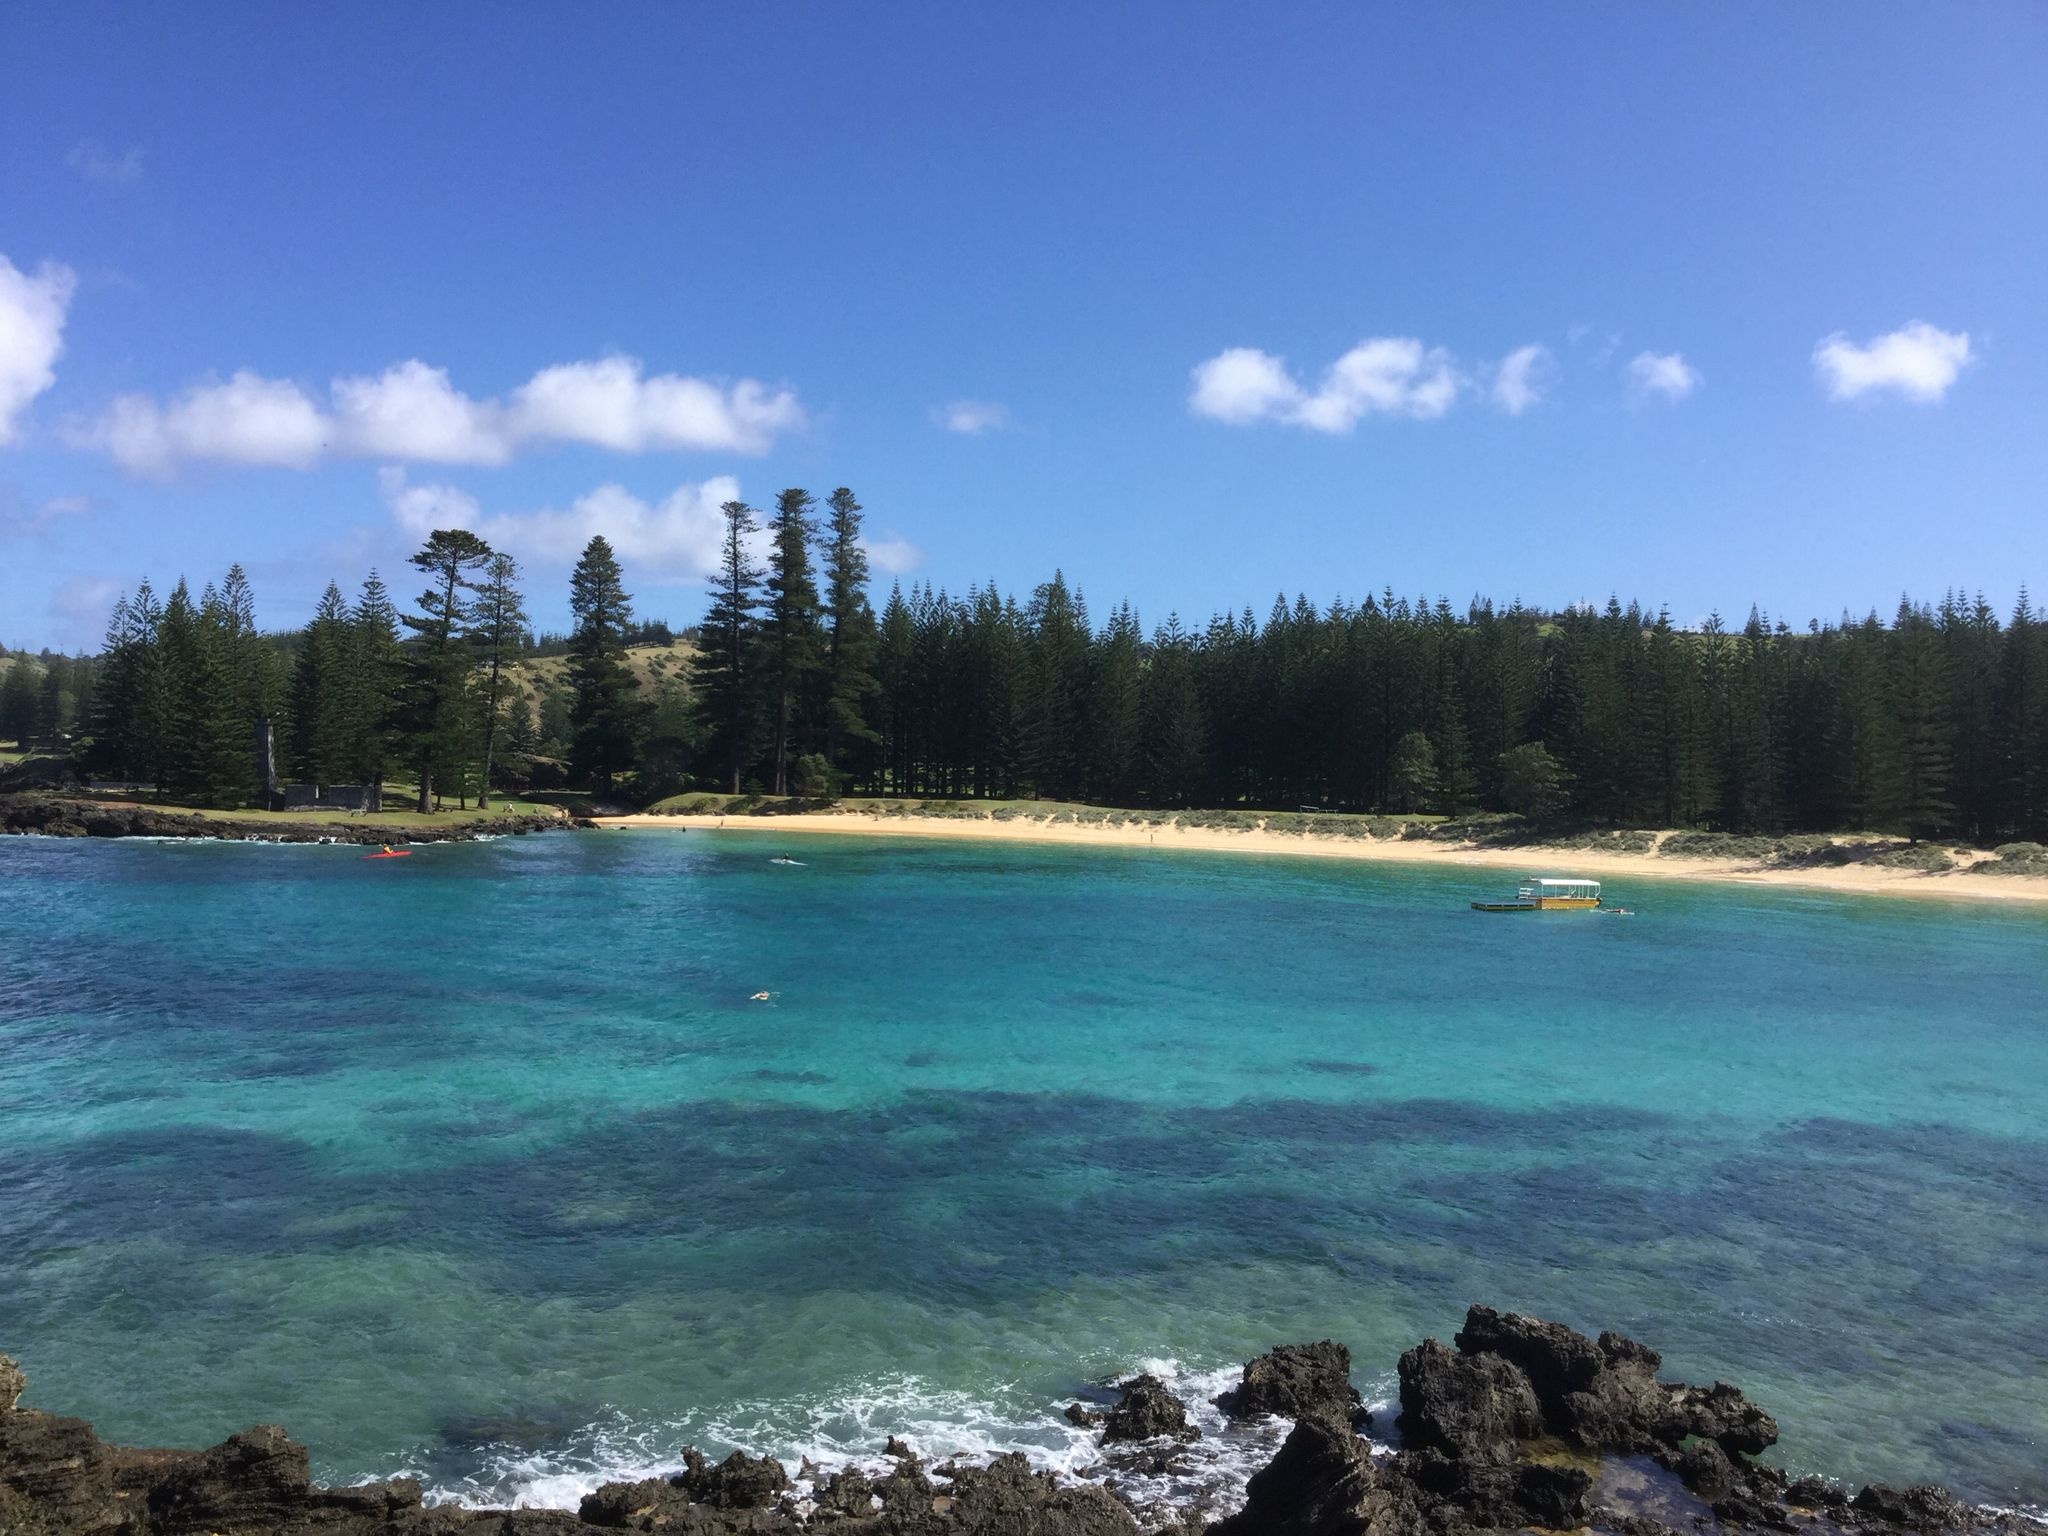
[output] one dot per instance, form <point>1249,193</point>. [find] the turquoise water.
<point>482,1164</point>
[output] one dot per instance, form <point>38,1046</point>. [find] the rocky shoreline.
<point>1522,1425</point>
<point>56,816</point>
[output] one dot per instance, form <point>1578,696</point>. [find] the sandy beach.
<point>1861,880</point>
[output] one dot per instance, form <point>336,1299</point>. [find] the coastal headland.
<point>1852,865</point>
<point>63,816</point>
<point>1519,1424</point>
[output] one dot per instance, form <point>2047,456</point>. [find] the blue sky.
<point>1704,305</point>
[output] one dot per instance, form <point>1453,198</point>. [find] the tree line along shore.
<point>794,683</point>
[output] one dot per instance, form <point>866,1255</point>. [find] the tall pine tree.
<point>605,713</point>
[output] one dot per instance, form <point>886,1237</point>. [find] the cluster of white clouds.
<point>411,412</point>
<point>32,310</point>
<point>1918,361</point>
<point>1385,375</point>
<point>1399,376</point>
<point>674,539</point>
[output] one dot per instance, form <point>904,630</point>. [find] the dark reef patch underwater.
<point>494,1175</point>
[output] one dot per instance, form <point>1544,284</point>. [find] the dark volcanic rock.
<point>738,1482</point>
<point>1556,1360</point>
<point>1466,1406</point>
<point>1722,1413</point>
<point>1147,1411</point>
<point>1606,1395</point>
<point>1817,1493</point>
<point>1297,1381</point>
<point>1922,1508</point>
<point>1705,1468</point>
<point>54,1473</point>
<point>1492,1492</point>
<point>1006,1498</point>
<point>848,1493</point>
<point>1506,1433</point>
<point>906,1491</point>
<point>1322,1483</point>
<point>251,1484</point>
<point>646,1505</point>
<point>1082,1415</point>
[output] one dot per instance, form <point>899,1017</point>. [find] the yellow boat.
<point>1548,896</point>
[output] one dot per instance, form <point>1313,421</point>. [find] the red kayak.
<point>391,853</point>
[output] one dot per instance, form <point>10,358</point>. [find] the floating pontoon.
<point>1548,896</point>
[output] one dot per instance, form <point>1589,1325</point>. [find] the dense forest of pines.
<point>1933,724</point>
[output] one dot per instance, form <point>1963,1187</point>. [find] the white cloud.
<point>607,403</point>
<point>1386,375</point>
<point>1918,361</point>
<point>246,419</point>
<point>1522,377</point>
<point>1664,373</point>
<point>1243,384</point>
<point>412,412</point>
<point>32,310</point>
<point>892,556</point>
<point>674,539</point>
<point>95,162</point>
<point>972,417</point>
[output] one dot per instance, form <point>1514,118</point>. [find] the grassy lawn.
<point>398,821</point>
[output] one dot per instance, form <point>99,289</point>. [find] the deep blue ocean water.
<point>483,1164</point>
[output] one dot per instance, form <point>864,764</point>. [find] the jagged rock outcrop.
<point>1321,1483</point>
<point>738,1482</point>
<point>1465,1405</point>
<point>1147,1411</point>
<point>1006,1498</point>
<point>1599,1395</point>
<point>1297,1381</point>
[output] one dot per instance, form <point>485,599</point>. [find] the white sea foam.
<point>850,1427</point>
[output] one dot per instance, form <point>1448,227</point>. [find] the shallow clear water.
<point>482,1163</point>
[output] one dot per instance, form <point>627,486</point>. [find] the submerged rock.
<point>1297,1381</point>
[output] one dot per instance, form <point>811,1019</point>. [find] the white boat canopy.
<point>1580,888</point>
